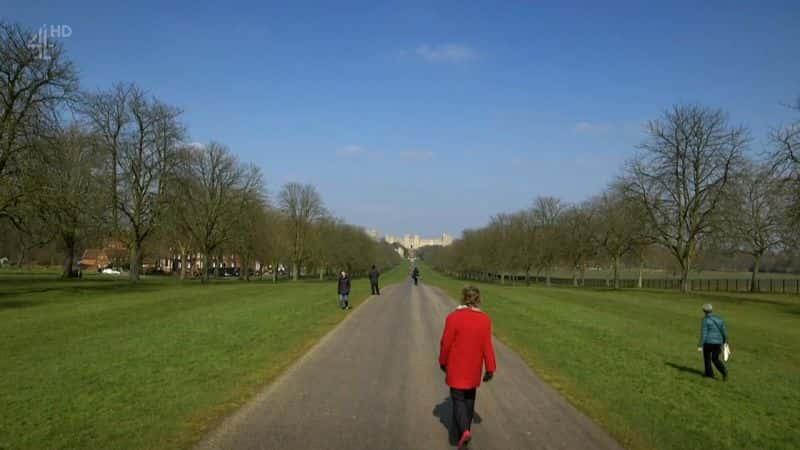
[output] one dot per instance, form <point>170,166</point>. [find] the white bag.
<point>726,351</point>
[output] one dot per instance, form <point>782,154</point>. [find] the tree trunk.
<point>575,276</point>
<point>69,259</point>
<point>583,274</point>
<point>204,269</point>
<point>275,272</point>
<point>615,264</point>
<point>296,271</point>
<point>321,273</point>
<point>135,260</point>
<point>756,266</point>
<point>685,287</point>
<point>528,276</point>
<point>21,256</point>
<point>502,278</point>
<point>641,270</point>
<point>183,265</point>
<point>547,275</point>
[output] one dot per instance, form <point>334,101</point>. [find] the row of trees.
<point>692,186</point>
<point>80,168</point>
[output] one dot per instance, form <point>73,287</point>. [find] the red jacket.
<point>466,346</point>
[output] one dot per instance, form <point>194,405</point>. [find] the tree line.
<point>79,168</point>
<point>694,186</point>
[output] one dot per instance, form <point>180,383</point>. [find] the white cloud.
<point>591,128</point>
<point>416,155</point>
<point>197,145</point>
<point>350,151</point>
<point>445,53</point>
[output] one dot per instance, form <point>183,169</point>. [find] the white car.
<point>110,271</point>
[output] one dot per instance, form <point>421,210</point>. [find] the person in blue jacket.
<point>713,335</point>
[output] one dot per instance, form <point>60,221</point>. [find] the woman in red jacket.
<point>466,347</point>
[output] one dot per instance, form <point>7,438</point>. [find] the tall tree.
<point>785,161</point>
<point>217,191</point>
<point>546,212</point>
<point>108,114</point>
<point>32,89</point>
<point>577,229</point>
<point>754,214</point>
<point>64,186</point>
<point>618,227</point>
<point>146,162</point>
<point>302,205</point>
<point>680,176</point>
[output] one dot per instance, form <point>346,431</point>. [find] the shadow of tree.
<point>685,368</point>
<point>13,304</point>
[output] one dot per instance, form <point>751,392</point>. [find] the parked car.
<point>110,271</point>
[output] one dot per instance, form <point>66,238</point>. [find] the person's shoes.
<point>725,376</point>
<point>466,436</point>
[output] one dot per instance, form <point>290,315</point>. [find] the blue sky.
<point>428,118</point>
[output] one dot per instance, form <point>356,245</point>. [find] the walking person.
<point>415,275</point>
<point>344,290</point>
<point>373,280</point>
<point>466,349</point>
<point>713,335</point>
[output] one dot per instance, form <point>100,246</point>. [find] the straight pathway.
<point>374,383</point>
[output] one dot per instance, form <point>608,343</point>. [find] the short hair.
<point>471,296</point>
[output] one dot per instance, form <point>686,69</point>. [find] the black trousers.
<point>416,280</point>
<point>711,355</point>
<point>375,289</point>
<point>463,408</point>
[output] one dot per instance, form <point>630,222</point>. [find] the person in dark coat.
<point>466,349</point>
<point>713,335</point>
<point>344,290</point>
<point>415,275</point>
<point>373,280</point>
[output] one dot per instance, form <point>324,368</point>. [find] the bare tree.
<point>501,245</point>
<point>577,229</point>
<point>753,215</point>
<point>785,161</point>
<point>302,205</point>
<point>251,220</point>
<point>63,187</point>
<point>617,228</point>
<point>216,191</point>
<point>32,88</point>
<point>146,160</point>
<point>546,212</point>
<point>108,114</point>
<point>681,174</point>
<point>525,229</point>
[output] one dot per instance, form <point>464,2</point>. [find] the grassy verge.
<point>629,360</point>
<point>105,364</point>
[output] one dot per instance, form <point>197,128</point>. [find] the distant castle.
<point>411,241</point>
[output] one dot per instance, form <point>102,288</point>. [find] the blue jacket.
<point>344,286</point>
<point>712,330</point>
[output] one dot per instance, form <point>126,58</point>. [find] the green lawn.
<point>628,359</point>
<point>101,363</point>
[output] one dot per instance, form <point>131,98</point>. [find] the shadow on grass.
<point>444,411</point>
<point>14,304</point>
<point>8,291</point>
<point>686,369</point>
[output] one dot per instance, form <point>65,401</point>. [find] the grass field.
<point>105,364</point>
<point>629,360</point>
